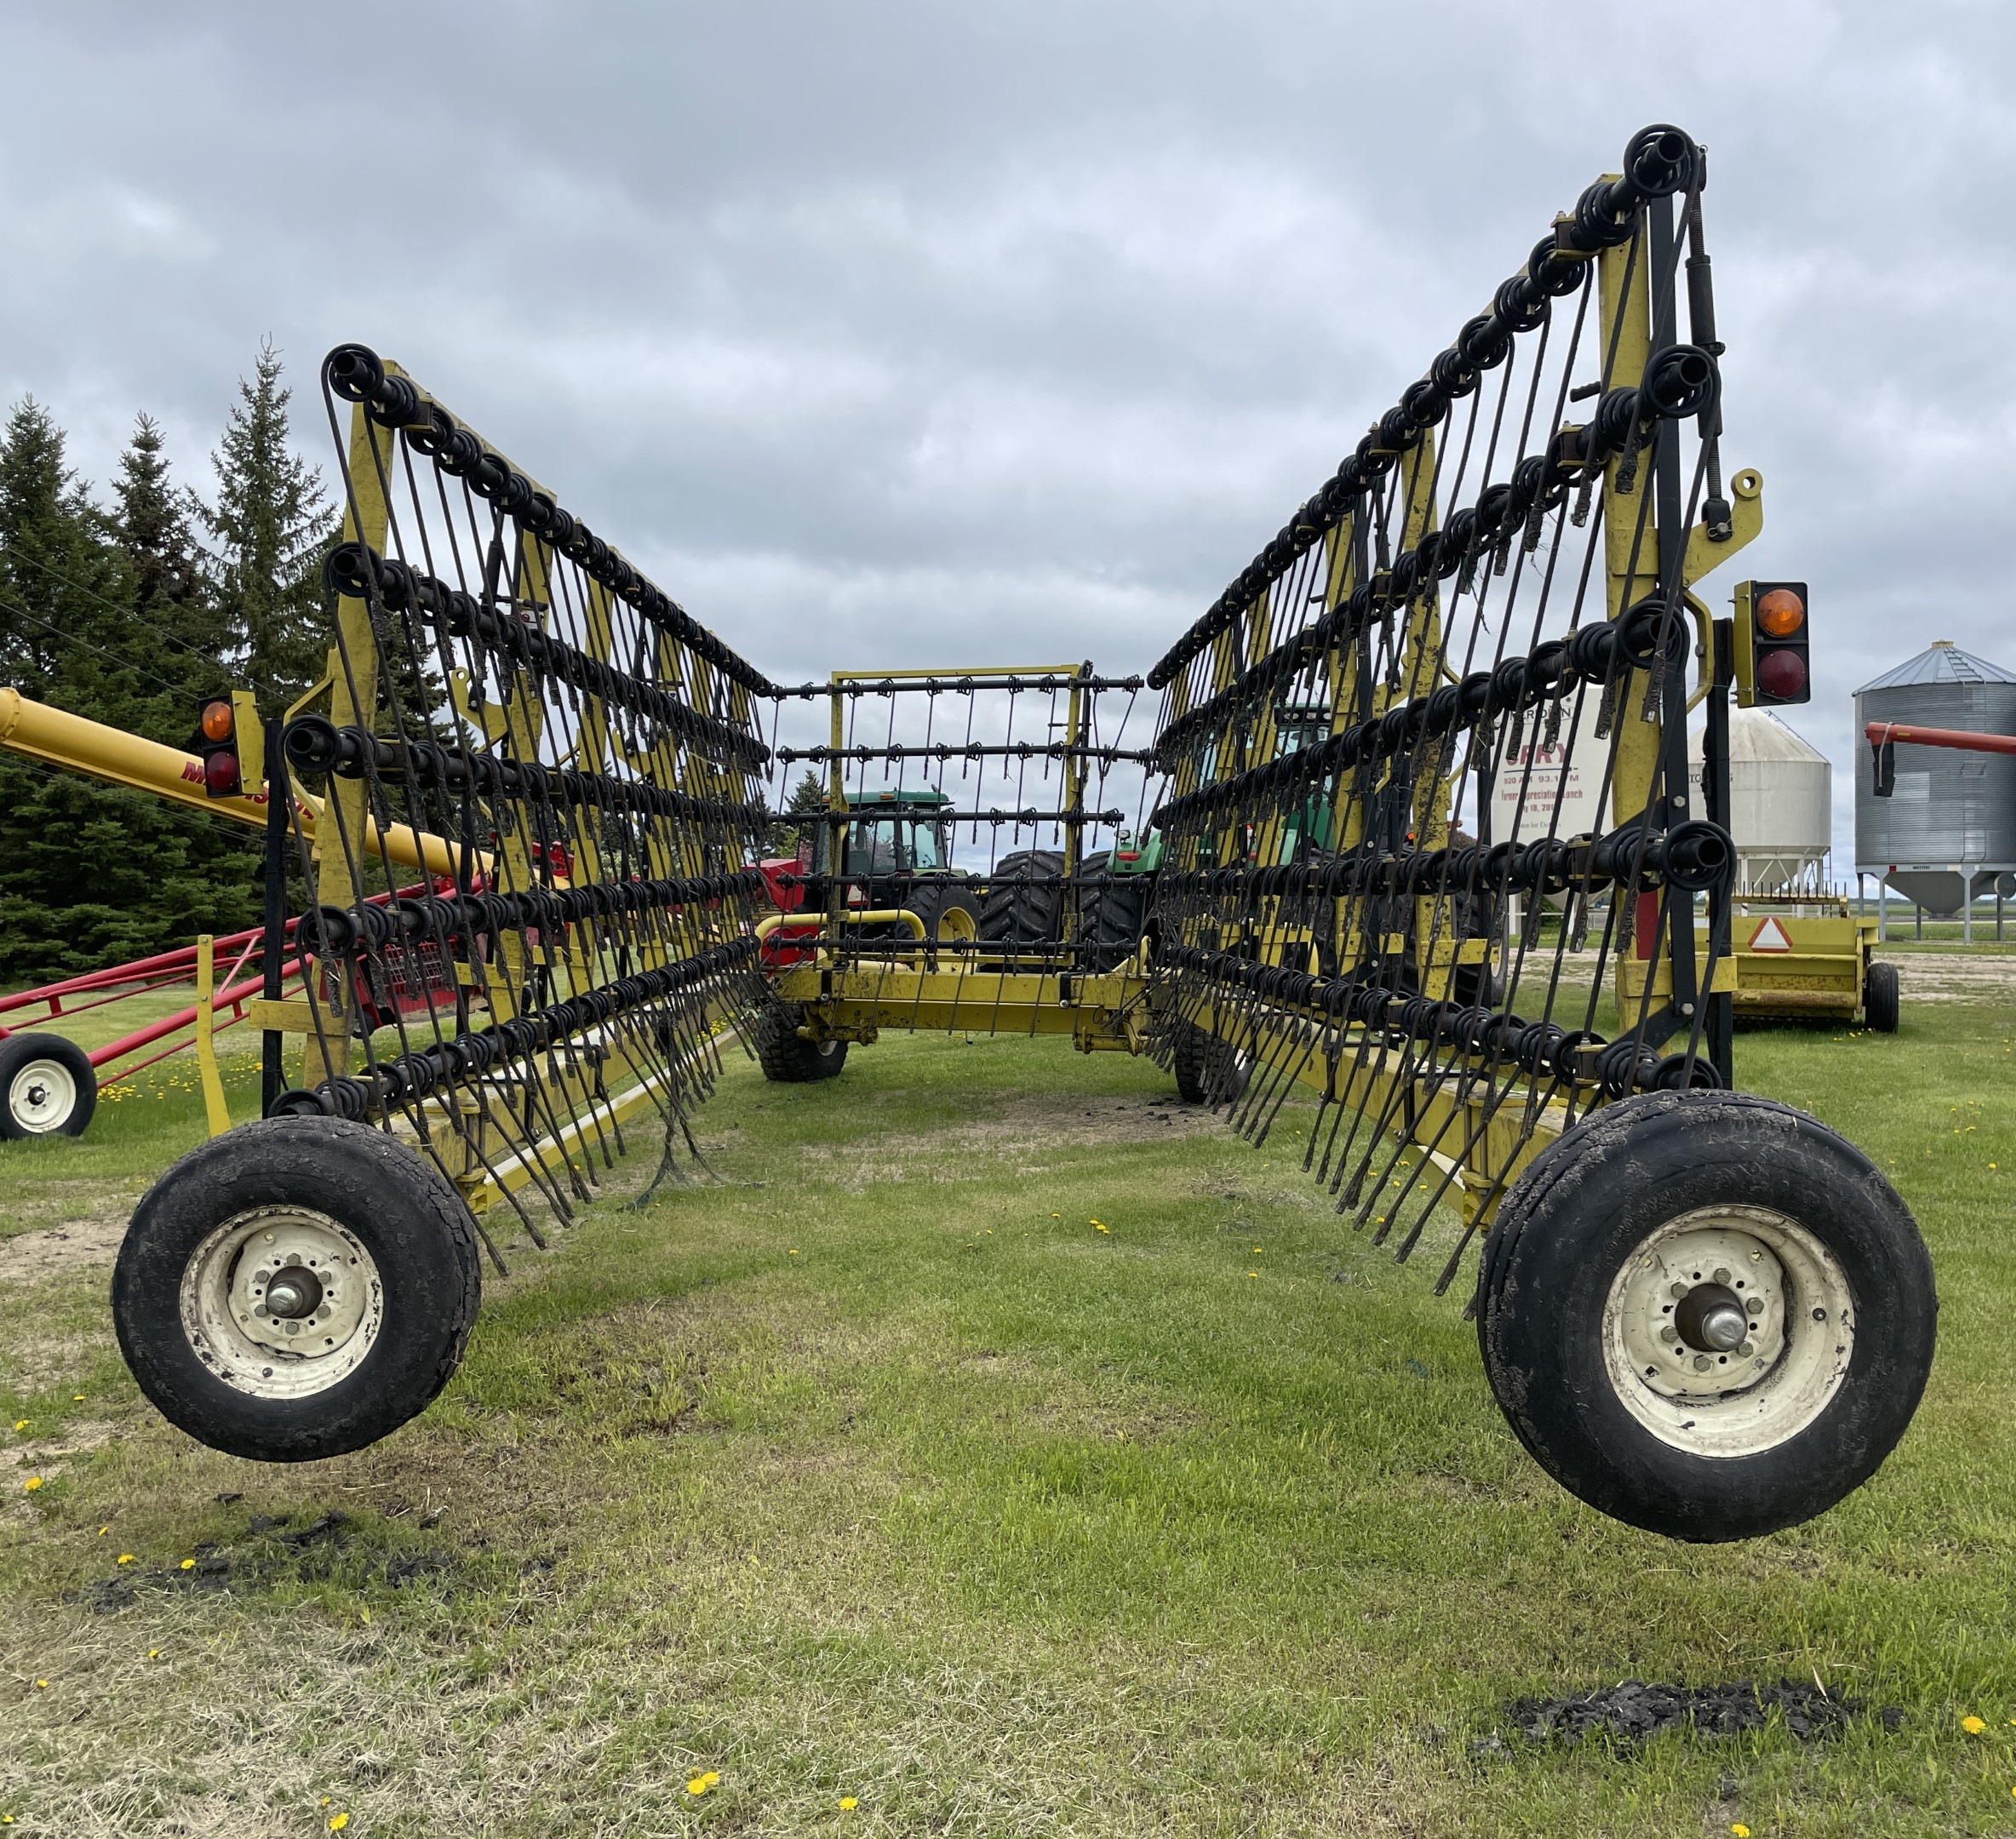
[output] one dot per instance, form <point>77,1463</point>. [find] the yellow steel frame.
<point>599,1081</point>
<point>1485,1119</point>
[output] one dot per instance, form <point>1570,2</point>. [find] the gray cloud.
<point>889,334</point>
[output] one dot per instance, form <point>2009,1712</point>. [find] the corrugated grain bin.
<point>1951,823</point>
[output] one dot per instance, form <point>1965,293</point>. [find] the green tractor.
<point>1110,896</point>
<point>897,853</point>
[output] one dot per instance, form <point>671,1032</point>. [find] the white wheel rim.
<point>282,1301</point>
<point>1668,1322</point>
<point>41,1096</point>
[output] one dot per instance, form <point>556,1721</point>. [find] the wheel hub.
<point>282,1301</point>
<point>294,1293</point>
<point>1711,1319</point>
<point>41,1096</point>
<point>1728,1329</point>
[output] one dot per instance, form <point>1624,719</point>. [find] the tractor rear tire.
<point>1024,907</point>
<point>1208,1070</point>
<point>1112,910</point>
<point>934,902</point>
<point>48,1087</point>
<point>1706,1315</point>
<point>370,1245</point>
<point>786,1056</point>
<point>1880,995</point>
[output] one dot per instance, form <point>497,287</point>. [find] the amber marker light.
<point>1780,613</point>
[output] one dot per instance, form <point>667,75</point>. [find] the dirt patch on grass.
<point>1953,976</point>
<point>1631,1712</point>
<point>1013,1127</point>
<point>77,1245</point>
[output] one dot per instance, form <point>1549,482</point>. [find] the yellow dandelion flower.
<point>697,1785</point>
<point>1974,1726</point>
<point>76,1398</point>
<point>1739,1830</point>
<point>125,1557</point>
<point>1252,1274</point>
<point>848,1803</point>
<point>1053,1215</point>
<point>188,1564</point>
<point>1108,1230</point>
<point>103,1530</point>
<point>337,1822</point>
<point>794,1251</point>
<point>42,1685</point>
<point>154,1653</point>
<point>21,1424</point>
<point>34,1482</point>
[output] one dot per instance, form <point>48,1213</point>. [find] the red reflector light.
<point>1781,674</point>
<point>216,724</point>
<point>220,771</point>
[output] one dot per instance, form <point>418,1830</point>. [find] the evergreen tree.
<point>91,874</point>
<point>781,835</point>
<point>272,525</point>
<point>152,519</point>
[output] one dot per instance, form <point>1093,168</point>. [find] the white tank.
<point>1781,802</point>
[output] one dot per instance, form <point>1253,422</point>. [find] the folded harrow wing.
<point>1703,1312</point>
<point>507,685</point>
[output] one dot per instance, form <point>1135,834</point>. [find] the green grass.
<point>876,1470</point>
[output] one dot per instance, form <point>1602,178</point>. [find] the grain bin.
<point>1950,827</point>
<point>1781,803</point>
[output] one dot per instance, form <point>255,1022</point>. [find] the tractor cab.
<point>891,833</point>
<point>1306,829</point>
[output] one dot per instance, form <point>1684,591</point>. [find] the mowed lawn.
<point>873,1489</point>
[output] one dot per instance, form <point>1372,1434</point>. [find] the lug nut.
<point>1722,1273</point>
<point>1701,1360</point>
<point>1756,1305</point>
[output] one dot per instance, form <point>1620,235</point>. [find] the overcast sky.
<point>884,334</point>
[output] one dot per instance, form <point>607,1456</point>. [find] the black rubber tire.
<point>18,1053</point>
<point>1025,900</point>
<point>1208,1070</point>
<point>1578,1215</point>
<point>785,1055</point>
<point>1112,909</point>
<point>1879,996</point>
<point>932,899</point>
<point>406,1213</point>
<point>1476,986</point>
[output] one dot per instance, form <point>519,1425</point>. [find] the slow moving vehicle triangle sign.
<point>1770,935</point>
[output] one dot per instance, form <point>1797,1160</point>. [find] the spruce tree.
<point>91,874</point>
<point>272,525</point>
<point>152,519</point>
